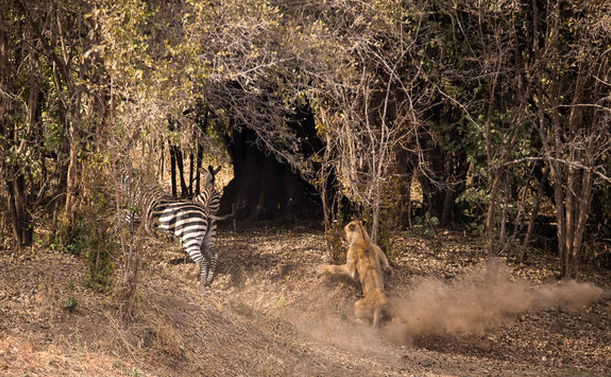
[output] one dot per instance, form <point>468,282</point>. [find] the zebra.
<point>191,221</point>
<point>209,197</point>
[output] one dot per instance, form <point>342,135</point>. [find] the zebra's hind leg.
<point>214,257</point>
<point>203,271</point>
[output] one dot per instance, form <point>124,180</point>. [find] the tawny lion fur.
<point>366,258</point>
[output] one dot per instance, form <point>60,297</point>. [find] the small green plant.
<point>117,364</point>
<point>78,239</point>
<point>427,223</point>
<point>69,304</point>
<point>135,373</point>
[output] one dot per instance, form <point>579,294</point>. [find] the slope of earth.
<point>268,314</point>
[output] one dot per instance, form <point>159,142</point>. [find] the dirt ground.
<point>268,314</point>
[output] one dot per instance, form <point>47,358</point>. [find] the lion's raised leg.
<point>344,270</point>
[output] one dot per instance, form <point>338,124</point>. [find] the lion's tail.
<point>382,306</point>
<point>376,315</point>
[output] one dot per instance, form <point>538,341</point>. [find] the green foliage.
<point>69,304</point>
<point>426,224</point>
<point>76,242</point>
<point>473,203</point>
<point>99,248</point>
<point>96,248</point>
<point>89,238</point>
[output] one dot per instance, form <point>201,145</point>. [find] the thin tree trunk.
<point>162,161</point>
<point>72,178</point>
<point>181,172</point>
<point>503,228</point>
<point>375,218</point>
<point>200,159</point>
<point>173,171</point>
<point>15,181</point>
<point>581,219</point>
<point>409,200</point>
<point>191,174</point>
<point>18,208</point>
<point>176,158</point>
<point>569,223</point>
<point>492,212</point>
<point>535,210</point>
<point>324,183</point>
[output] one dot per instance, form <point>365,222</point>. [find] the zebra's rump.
<point>188,221</point>
<point>184,221</point>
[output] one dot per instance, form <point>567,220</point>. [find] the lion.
<point>368,260</point>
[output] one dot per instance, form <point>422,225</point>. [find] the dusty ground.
<point>268,315</point>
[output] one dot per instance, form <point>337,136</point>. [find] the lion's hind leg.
<point>363,310</point>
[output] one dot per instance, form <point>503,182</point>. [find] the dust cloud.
<point>480,300</point>
<point>326,316</point>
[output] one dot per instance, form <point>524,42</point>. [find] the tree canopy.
<point>499,111</point>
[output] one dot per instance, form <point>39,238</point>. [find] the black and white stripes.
<point>191,221</point>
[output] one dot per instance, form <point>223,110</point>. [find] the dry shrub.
<point>335,244</point>
<point>165,335</point>
<point>148,329</point>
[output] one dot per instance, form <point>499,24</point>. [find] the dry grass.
<point>268,315</point>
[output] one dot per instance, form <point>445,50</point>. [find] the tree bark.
<point>535,210</point>
<point>492,198</point>
<point>72,177</point>
<point>177,164</point>
<point>262,188</point>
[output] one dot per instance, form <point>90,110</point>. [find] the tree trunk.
<point>503,223</point>
<point>262,188</point>
<point>577,208</point>
<point>191,174</point>
<point>438,198</point>
<point>535,210</point>
<point>184,192</point>
<point>72,178</point>
<point>176,161</point>
<point>198,165</point>
<point>399,191</point>
<point>492,197</point>
<point>15,181</point>
<point>375,216</point>
<point>173,171</point>
<point>18,204</point>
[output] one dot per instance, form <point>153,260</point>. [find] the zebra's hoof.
<point>204,286</point>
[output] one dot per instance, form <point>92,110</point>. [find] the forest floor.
<point>267,314</point>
